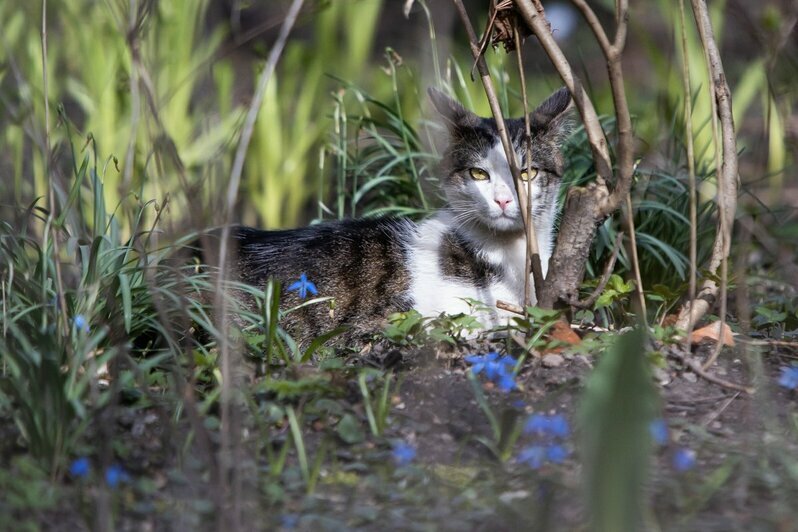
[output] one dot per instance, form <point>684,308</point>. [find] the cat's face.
<point>477,178</point>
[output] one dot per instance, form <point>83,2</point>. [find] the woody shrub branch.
<point>586,207</point>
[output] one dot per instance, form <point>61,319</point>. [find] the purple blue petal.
<point>80,467</point>
<point>789,377</point>
<point>658,429</point>
<point>533,456</point>
<point>683,459</point>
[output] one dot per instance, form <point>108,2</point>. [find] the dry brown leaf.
<point>670,319</point>
<point>562,331</point>
<point>712,333</point>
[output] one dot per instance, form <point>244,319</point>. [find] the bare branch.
<point>510,307</point>
<point>696,368</point>
<point>622,20</point>
<point>726,174</point>
<point>605,202</point>
<point>598,143</point>
<point>613,54</point>
<point>595,26</point>
<point>629,222</point>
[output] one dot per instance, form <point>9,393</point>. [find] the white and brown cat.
<point>473,247</point>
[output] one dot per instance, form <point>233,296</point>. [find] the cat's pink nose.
<point>503,203</point>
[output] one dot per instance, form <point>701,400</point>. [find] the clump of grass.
<point>123,305</point>
<point>381,164</point>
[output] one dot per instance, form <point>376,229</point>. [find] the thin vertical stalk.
<point>632,250</point>
<point>723,229</point>
<point>726,172</point>
<point>49,226</point>
<point>688,133</point>
<point>232,193</point>
<point>531,263</point>
<point>135,97</point>
<point>490,92</point>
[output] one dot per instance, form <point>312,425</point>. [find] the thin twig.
<point>227,417</point>
<point>698,370</point>
<point>688,132</point>
<point>629,221</point>
<point>509,152</point>
<point>510,307</point>
<point>723,230</point>
<point>715,414</point>
<point>483,44</point>
<point>605,276</point>
<point>532,261</point>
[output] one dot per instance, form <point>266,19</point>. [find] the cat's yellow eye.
<point>479,174</point>
<point>532,174</point>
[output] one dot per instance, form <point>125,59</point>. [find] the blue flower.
<point>403,453</point>
<point>289,521</point>
<point>558,426</point>
<point>533,456</point>
<point>497,368</point>
<point>506,382</point>
<point>116,474</point>
<point>303,286</point>
<point>536,455</point>
<point>483,362</point>
<point>658,429</point>
<point>80,467</point>
<point>555,426</point>
<point>683,459</point>
<point>537,424</point>
<point>81,323</point>
<point>556,454</point>
<point>789,377</point>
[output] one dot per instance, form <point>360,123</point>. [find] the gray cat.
<point>471,248</point>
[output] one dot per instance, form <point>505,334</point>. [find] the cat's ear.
<point>455,114</point>
<point>552,116</point>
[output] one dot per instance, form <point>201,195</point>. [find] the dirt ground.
<point>743,446</point>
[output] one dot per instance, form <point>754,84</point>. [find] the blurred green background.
<point>141,78</point>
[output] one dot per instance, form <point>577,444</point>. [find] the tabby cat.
<point>473,247</point>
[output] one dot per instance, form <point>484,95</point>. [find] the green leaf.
<point>769,315</point>
<point>606,299</point>
<point>349,429</point>
<point>320,341</point>
<point>127,300</point>
<point>541,314</point>
<point>617,406</point>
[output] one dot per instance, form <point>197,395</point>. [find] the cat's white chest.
<point>433,291</point>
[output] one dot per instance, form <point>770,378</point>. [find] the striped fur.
<point>472,248</point>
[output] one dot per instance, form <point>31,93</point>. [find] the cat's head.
<point>476,176</point>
